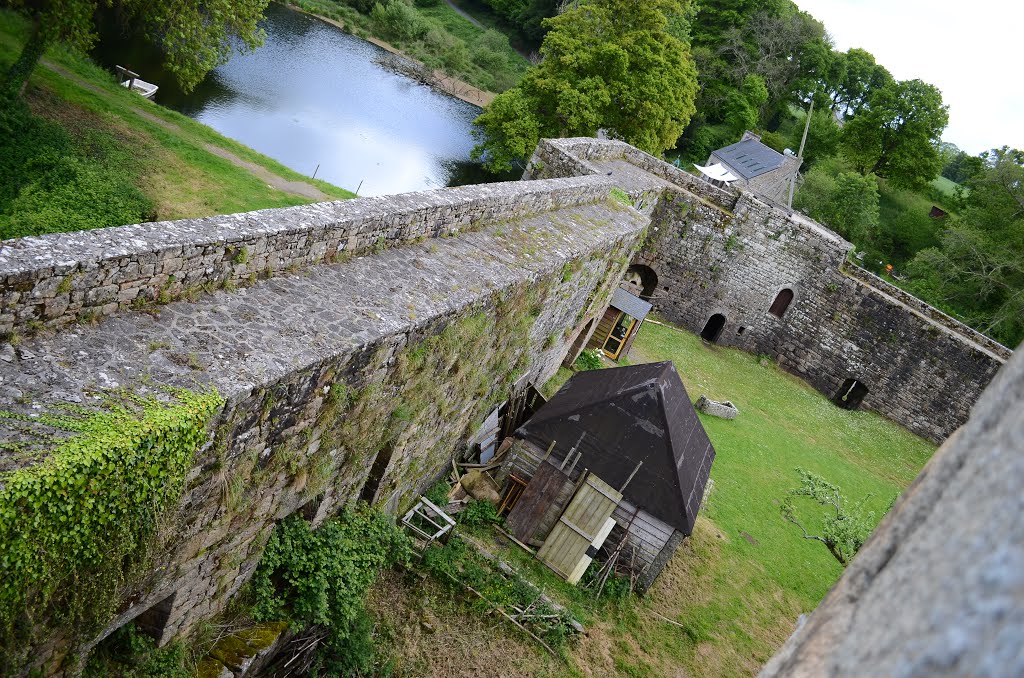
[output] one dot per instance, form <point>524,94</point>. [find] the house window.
<point>781,303</point>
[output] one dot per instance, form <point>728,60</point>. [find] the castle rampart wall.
<point>388,361</point>
<point>714,253</point>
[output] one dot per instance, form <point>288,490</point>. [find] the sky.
<point>971,50</point>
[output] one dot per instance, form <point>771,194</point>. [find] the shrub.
<point>589,359</point>
<point>398,21</point>
<point>479,513</point>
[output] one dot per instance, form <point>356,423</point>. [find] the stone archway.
<point>643,279</point>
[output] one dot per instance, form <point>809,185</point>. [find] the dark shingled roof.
<point>627,415</point>
<point>750,158</point>
<point>630,304</point>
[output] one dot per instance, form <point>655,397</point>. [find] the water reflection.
<point>313,95</point>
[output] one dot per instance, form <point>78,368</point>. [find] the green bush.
<point>321,578</point>
<point>589,359</point>
<point>128,653</point>
<point>428,3</point>
<point>479,513</point>
<point>399,21</point>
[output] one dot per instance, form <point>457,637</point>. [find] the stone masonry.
<point>422,311</point>
<point>278,349</point>
<point>728,253</point>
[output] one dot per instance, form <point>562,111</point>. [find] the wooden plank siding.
<point>648,535</point>
<point>578,526</point>
<point>550,488</point>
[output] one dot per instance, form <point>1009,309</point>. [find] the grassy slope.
<point>181,177</point>
<point>735,601</point>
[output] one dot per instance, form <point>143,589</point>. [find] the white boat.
<point>132,81</point>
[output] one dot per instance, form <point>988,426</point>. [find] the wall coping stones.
<point>51,280</point>
<point>929,312</point>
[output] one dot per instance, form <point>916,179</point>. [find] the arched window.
<point>781,303</point>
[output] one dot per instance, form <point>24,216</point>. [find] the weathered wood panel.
<point>579,525</point>
<point>541,494</point>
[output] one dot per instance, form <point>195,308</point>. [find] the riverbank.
<point>442,48</point>
<point>121,158</point>
<point>415,69</point>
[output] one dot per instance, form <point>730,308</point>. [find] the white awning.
<point>717,173</point>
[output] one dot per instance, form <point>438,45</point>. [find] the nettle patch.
<point>78,528</point>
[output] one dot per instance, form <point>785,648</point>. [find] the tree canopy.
<point>194,36</point>
<point>977,271</point>
<point>608,64</point>
<point>896,133</point>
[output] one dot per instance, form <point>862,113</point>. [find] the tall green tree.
<point>845,201</point>
<point>608,64</point>
<point>194,35</point>
<point>853,77</point>
<point>896,133</point>
<point>977,271</point>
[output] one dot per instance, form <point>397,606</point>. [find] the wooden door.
<point>579,527</point>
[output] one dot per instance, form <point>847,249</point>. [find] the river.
<point>317,100</point>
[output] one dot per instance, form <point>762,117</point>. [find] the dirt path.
<point>299,188</point>
<point>464,14</point>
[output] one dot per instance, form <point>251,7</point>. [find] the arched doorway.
<point>643,279</point>
<point>850,395</point>
<point>781,303</point>
<point>713,329</point>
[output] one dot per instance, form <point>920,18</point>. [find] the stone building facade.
<point>745,273</point>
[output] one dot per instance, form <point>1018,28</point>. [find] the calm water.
<point>313,95</point>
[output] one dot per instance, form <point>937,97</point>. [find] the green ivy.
<point>76,528</point>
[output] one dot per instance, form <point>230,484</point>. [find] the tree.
<point>193,36</point>
<point>961,168</point>
<point>846,202</point>
<point>608,64</point>
<point>977,271</point>
<point>742,107</point>
<point>844,529</point>
<point>854,76</point>
<point>895,135</point>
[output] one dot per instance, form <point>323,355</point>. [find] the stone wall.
<point>387,362</point>
<point>715,253</point>
<point>49,281</point>
<point>938,589</point>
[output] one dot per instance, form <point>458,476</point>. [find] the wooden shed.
<point>619,324</point>
<point>634,428</point>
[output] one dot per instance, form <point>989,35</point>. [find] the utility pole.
<point>800,153</point>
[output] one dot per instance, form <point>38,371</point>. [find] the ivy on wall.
<point>76,527</point>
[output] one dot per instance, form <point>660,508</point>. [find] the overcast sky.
<point>971,50</point>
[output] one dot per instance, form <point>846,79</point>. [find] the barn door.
<point>580,526</point>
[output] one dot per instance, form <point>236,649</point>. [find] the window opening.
<point>781,303</point>
<point>380,466</point>
<point>850,395</point>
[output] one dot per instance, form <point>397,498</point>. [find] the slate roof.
<point>627,415</point>
<point>630,304</point>
<point>750,158</point>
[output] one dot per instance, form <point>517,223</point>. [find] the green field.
<point>133,144</point>
<point>737,586</point>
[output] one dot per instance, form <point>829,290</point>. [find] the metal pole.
<point>800,153</point>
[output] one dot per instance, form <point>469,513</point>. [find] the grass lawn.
<point>737,586</point>
<point>175,169</point>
